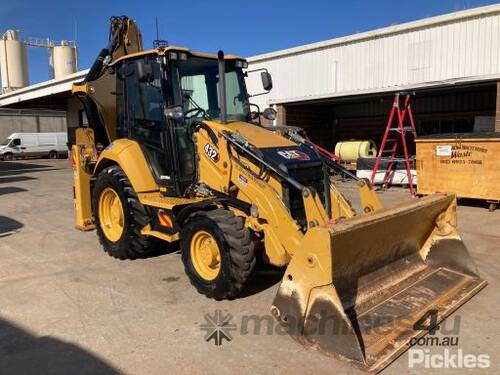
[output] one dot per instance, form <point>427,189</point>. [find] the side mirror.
<point>254,115</point>
<point>16,142</point>
<point>144,71</point>
<point>267,81</point>
<point>269,113</point>
<point>174,112</point>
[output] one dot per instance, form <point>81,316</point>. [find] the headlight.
<point>241,64</point>
<point>173,55</point>
<point>174,112</point>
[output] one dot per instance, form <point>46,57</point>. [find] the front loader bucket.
<point>362,289</point>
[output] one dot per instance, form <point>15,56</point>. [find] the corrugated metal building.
<point>342,88</point>
<point>30,121</point>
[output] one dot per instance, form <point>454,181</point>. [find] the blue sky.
<point>246,28</point>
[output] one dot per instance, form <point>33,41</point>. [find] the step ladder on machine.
<point>389,146</point>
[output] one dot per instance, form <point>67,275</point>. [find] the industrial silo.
<point>64,59</point>
<point>13,62</point>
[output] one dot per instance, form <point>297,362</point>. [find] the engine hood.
<point>257,135</point>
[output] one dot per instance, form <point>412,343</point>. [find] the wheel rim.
<point>205,255</point>
<point>111,214</point>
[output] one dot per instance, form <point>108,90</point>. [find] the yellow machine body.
<point>81,153</point>
<point>355,284</point>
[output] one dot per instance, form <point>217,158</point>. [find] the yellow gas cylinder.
<point>350,151</point>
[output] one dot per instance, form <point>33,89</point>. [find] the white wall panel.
<point>414,54</point>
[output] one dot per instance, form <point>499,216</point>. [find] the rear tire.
<point>53,155</point>
<point>8,156</point>
<point>236,249</point>
<point>131,244</point>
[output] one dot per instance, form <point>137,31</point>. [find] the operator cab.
<point>162,94</point>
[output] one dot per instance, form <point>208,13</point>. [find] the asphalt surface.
<point>68,308</point>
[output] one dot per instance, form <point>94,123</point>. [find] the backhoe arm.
<point>124,38</point>
<point>97,87</point>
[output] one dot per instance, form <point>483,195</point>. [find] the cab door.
<point>16,146</point>
<point>141,116</point>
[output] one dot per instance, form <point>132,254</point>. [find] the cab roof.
<point>162,51</point>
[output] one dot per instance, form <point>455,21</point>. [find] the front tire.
<point>217,252</point>
<point>119,216</point>
<point>8,156</point>
<point>53,155</point>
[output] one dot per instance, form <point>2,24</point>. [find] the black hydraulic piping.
<point>332,164</point>
<point>246,150</point>
<point>222,87</point>
<point>96,68</point>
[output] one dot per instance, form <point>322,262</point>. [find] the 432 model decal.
<point>211,152</point>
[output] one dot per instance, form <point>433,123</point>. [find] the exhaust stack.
<point>222,87</point>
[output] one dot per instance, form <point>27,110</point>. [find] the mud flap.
<point>358,287</point>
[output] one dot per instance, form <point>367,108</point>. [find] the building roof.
<point>384,31</point>
<point>42,89</point>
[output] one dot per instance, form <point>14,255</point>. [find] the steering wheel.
<point>194,112</point>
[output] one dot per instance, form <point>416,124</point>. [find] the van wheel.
<point>53,155</point>
<point>7,156</point>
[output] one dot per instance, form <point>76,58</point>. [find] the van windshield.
<point>5,142</point>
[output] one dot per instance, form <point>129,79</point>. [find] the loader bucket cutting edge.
<point>359,287</point>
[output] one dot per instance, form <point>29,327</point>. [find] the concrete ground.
<point>68,308</point>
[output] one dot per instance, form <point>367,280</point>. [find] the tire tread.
<point>138,245</point>
<point>241,252</point>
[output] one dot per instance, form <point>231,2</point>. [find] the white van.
<point>21,145</point>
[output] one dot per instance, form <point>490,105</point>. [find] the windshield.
<point>198,82</point>
<point>5,142</point>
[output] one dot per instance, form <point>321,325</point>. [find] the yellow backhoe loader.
<point>173,152</point>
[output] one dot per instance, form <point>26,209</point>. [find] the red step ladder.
<point>400,135</point>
